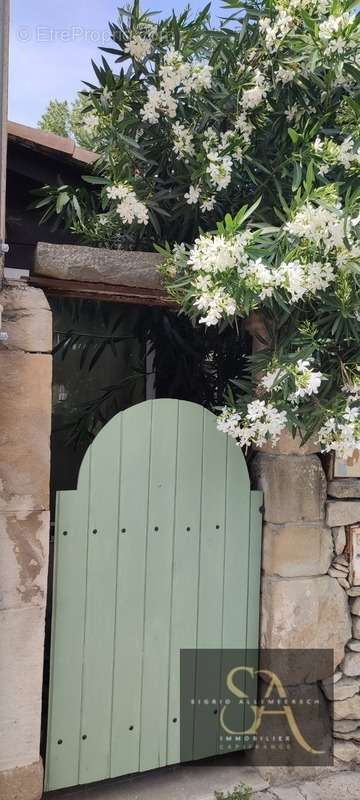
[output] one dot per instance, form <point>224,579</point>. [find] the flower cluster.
<point>215,305</point>
<point>331,32</point>
<point>138,47</point>
<point>274,32</point>
<point>341,433</point>
<point>129,209</point>
<point>175,74</point>
<point>302,381</point>
<point>319,225</point>
<point>214,254</point>
<point>228,262</point>
<point>258,423</point>
<point>183,140</point>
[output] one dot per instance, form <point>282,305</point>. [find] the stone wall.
<point>305,592</point>
<point>25,417</point>
<point>343,690</point>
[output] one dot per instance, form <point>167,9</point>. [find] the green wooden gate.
<point>158,549</point>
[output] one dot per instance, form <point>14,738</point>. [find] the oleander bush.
<point>234,149</point>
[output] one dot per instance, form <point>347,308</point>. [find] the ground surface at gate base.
<point>178,783</point>
<point>200,783</point>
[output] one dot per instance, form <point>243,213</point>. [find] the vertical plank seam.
<point>116,592</point>
<point>248,597</point>
<point>145,578</point>
<point>90,451</point>
<point>220,694</point>
<point>172,580</point>
<point>225,540</point>
<point>199,573</point>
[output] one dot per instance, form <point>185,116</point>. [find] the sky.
<point>52,44</point>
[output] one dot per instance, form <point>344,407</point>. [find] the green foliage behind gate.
<point>157,550</point>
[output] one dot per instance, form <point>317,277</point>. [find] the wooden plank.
<point>253,604</point>
<point>185,562</point>
<point>211,581</point>
<point>237,537</point>
<point>101,291</point>
<point>154,707</point>
<point>63,738</point>
<point>100,603</point>
<point>98,265</point>
<point>129,632</point>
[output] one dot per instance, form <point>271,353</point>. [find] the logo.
<point>266,701</point>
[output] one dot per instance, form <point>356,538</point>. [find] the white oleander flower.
<point>219,170</point>
<point>245,127</point>
<point>251,98</point>
<point>192,196</point>
<point>291,112</point>
<point>198,79</point>
<point>318,145</point>
<point>269,380</point>
<point>341,434</point>
<point>158,100</point>
<point>214,254</point>
<point>129,209</point>
<point>183,140</point>
<point>118,191</point>
<point>138,47</point>
<point>208,203</point>
<point>274,32</point>
<point>319,225</point>
<point>173,70</point>
<point>347,154</point>
<point>333,25</point>
<point>307,381</point>
<point>216,304</point>
<point>259,277</point>
<point>300,279</point>
<point>284,75</point>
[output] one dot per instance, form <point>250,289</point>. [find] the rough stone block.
<point>342,689</point>
<point>22,783</point>
<point>344,488</point>
<point>292,551</point>
<point>347,752</point>
<point>354,645</point>
<point>339,539</point>
<point>25,402</point>
<point>306,613</point>
<point>294,488</point>
<point>356,627</point>
<point>355,606</point>
<point>346,709</point>
<point>290,445</point>
<point>24,538</point>
<point>21,667</point>
<point>71,262</point>
<point>342,512</point>
<point>346,725</point>
<point>26,318</point>
<point>351,665</point>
